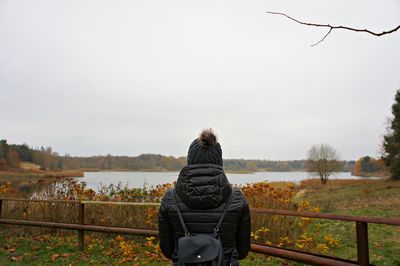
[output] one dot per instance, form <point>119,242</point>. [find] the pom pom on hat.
<point>207,138</point>
<point>205,149</point>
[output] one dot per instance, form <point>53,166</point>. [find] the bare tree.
<point>323,160</point>
<point>332,27</point>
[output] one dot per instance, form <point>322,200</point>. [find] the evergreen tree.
<point>1,151</point>
<point>391,142</point>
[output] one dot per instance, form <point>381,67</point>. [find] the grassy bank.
<point>358,197</point>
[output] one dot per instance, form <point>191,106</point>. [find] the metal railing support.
<point>81,233</point>
<point>362,243</point>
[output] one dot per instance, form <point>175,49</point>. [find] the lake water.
<point>94,180</point>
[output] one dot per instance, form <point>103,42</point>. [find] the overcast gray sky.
<point>145,76</point>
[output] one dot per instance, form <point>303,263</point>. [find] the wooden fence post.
<point>362,243</point>
<point>81,233</point>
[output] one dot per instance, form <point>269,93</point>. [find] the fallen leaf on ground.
<point>12,249</point>
<point>55,256</point>
<point>17,258</point>
<point>66,255</point>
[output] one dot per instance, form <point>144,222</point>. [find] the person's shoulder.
<point>169,193</point>
<point>237,192</point>
<point>168,196</point>
<point>238,197</point>
<point>167,201</point>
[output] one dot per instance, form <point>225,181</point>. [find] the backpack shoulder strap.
<point>216,228</point>
<point>179,213</point>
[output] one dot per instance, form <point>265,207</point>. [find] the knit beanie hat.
<point>205,149</point>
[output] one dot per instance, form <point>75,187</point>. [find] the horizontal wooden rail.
<point>346,218</point>
<point>41,200</point>
<point>150,204</point>
<point>85,227</point>
<point>304,257</point>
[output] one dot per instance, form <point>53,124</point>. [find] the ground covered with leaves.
<point>99,250</point>
<point>63,250</point>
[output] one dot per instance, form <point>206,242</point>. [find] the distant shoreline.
<point>29,175</point>
<point>5,176</point>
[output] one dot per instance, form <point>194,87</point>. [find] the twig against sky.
<point>331,27</point>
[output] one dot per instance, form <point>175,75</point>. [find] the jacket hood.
<point>203,186</point>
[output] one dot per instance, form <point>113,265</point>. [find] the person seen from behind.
<point>201,193</point>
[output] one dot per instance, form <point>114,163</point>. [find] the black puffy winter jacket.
<point>203,191</point>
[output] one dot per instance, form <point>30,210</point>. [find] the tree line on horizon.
<point>11,156</point>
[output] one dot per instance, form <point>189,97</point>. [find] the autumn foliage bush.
<point>284,231</point>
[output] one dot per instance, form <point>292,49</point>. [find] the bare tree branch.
<point>331,27</point>
<point>326,35</point>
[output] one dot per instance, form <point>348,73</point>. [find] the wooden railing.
<point>290,254</point>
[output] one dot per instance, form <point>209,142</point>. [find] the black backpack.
<point>203,249</point>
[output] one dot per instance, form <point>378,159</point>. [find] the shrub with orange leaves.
<point>158,191</point>
<point>7,190</point>
<point>278,230</point>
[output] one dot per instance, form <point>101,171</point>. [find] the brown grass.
<point>341,196</point>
